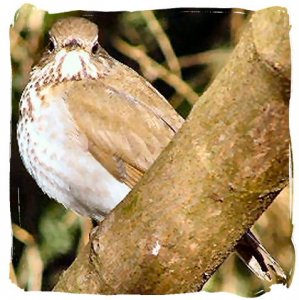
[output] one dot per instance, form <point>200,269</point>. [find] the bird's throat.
<point>65,66</point>
<point>75,64</point>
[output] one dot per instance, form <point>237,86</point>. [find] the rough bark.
<point>211,183</point>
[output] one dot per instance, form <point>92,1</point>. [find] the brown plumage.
<point>126,128</point>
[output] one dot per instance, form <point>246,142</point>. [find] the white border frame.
<point>7,11</point>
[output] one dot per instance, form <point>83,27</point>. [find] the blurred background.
<point>179,51</point>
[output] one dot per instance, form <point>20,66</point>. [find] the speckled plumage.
<point>89,126</point>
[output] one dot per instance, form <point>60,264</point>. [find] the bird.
<point>90,127</point>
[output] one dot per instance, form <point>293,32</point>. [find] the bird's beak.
<point>73,44</point>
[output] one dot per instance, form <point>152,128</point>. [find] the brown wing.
<point>127,123</point>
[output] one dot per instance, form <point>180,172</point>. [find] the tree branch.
<point>217,176</point>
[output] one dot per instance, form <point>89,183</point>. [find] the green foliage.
<point>58,236</point>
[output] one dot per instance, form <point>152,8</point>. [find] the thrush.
<point>90,127</point>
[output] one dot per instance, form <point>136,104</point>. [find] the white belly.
<point>57,156</point>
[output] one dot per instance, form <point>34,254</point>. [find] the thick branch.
<point>213,181</point>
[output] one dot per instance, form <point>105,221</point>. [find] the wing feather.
<point>127,122</point>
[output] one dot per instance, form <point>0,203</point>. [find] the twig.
<point>12,274</point>
<point>31,274</point>
<point>22,235</point>
<point>204,58</point>
<point>151,65</point>
<point>163,41</point>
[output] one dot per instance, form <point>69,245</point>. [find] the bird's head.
<point>73,52</point>
<point>74,34</point>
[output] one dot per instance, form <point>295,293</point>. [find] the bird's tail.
<point>259,260</point>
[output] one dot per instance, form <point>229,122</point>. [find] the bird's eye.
<point>51,46</point>
<point>95,48</point>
